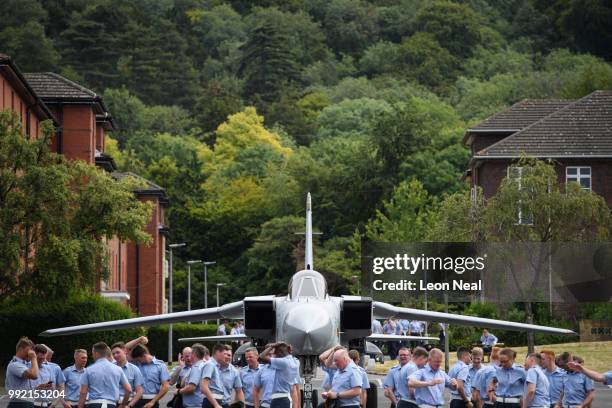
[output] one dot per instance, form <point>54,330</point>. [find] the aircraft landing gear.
<point>308,367</point>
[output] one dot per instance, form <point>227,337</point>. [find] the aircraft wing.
<point>385,310</point>
<point>229,337</point>
<point>400,337</point>
<point>233,310</point>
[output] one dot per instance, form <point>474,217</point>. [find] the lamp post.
<point>206,263</point>
<point>170,270</point>
<point>218,286</point>
<point>189,263</point>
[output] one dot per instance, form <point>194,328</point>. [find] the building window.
<point>515,175</point>
<point>580,175</point>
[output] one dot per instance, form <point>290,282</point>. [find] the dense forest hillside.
<point>238,108</point>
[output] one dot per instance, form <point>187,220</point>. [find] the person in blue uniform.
<point>392,380</point>
<point>477,354</point>
<point>156,380</point>
<point>263,384</point>
<point>131,371</point>
<point>181,371</point>
<point>73,376</point>
<point>556,377</point>
<point>462,396</point>
<point>483,379</point>
<point>230,376</point>
<point>488,340</point>
<point>537,388</point>
<point>604,378</point>
<point>429,382</point>
<point>506,388</point>
<point>248,374</point>
<point>287,371</point>
<point>407,396</point>
<point>347,382</point>
<point>365,386</point>
<point>190,392</point>
<point>212,383</point>
<point>58,376</point>
<point>578,389</point>
<point>101,382</point>
<point>21,374</point>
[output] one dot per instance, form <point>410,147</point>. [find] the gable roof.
<point>580,129</point>
<point>149,189</point>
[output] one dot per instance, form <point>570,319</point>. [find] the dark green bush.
<point>158,337</point>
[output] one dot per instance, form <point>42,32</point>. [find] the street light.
<point>206,263</point>
<point>218,286</point>
<point>170,269</point>
<point>189,263</point>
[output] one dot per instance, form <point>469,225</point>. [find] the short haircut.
<point>251,350</point>
<point>23,343</point>
<point>404,348</point>
<point>354,355</point>
<point>139,351</point>
<point>508,352</point>
<point>537,357</point>
<point>217,348</point>
<point>578,360</point>
<point>549,353</point>
<point>119,344</point>
<point>283,347</point>
<point>227,347</point>
<point>495,353</point>
<point>40,348</point>
<point>564,357</point>
<point>199,350</point>
<point>49,349</point>
<point>420,352</point>
<point>79,351</point>
<point>462,351</point>
<point>101,348</point>
<point>435,352</point>
<point>477,351</point>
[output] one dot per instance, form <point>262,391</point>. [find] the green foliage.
<point>158,337</point>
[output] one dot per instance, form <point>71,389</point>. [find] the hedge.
<point>158,337</point>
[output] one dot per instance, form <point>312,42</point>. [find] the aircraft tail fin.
<point>308,262</point>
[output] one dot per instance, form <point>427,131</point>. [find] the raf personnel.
<point>536,393</point>
<point>365,386</point>
<point>419,359</point>
<point>429,381</point>
<point>73,376</point>
<point>212,384</point>
<point>392,380</point>
<point>484,376</point>
<point>506,388</point>
<point>21,373</point>
<point>286,373</point>
<point>605,378</point>
<point>263,384</point>
<point>476,366</point>
<point>131,371</point>
<point>248,374</point>
<point>154,376</point>
<point>347,382</point>
<point>230,376</point>
<point>101,382</point>
<point>181,372</point>
<point>488,340</point>
<point>191,393</point>
<point>578,389</point>
<point>462,396</point>
<point>556,377</point>
<point>46,375</point>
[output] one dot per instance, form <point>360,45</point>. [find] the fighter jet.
<point>307,317</point>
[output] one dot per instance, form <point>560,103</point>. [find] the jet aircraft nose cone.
<point>308,329</point>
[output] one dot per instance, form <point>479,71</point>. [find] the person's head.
<point>403,355</point>
<point>477,354</point>
<point>485,332</point>
<point>198,352</point>
<point>281,349</point>
<point>251,356</point>
<point>119,353</point>
<point>354,355</point>
<point>80,358</point>
<point>186,354</point>
<point>576,359</point>
<point>341,359</point>
<point>227,355</point>
<point>506,357</point>
<point>100,350</point>
<point>23,347</point>
<point>218,352</point>
<point>495,355</point>
<point>436,357</point>
<point>548,359</point>
<point>41,353</point>
<point>420,356</point>
<point>50,352</point>
<point>140,353</point>
<point>464,355</point>
<point>533,360</point>
<point>563,359</point>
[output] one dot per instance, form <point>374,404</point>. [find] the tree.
<point>29,46</point>
<point>54,215</point>
<point>214,105</point>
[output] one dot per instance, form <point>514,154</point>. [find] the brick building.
<point>81,120</point>
<point>575,134</point>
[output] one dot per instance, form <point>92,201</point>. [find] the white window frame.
<point>576,178</point>
<point>520,219</point>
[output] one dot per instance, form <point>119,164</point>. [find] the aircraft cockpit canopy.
<point>308,283</point>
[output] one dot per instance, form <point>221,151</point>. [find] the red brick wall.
<point>100,146</point>
<point>10,99</point>
<point>481,141</point>
<point>79,132</point>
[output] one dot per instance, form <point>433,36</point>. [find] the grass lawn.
<point>597,355</point>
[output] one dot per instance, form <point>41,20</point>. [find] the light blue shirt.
<point>104,380</point>
<point>210,370</point>
<point>72,386</point>
<point>489,340</point>
<point>483,379</point>
<point>536,376</point>
<point>416,327</point>
<point>555,381</point>
<point>376,327</point>
<point>195,398</point>
<point>153,375</point>
<point>608,378</point>
<point>231,381</point>
<point>510,381</point>
<point>133,375</point>
<point>287,369</point>
<point>392,379</point>
<point>247,376</point>
<point>58,375</point>
<point>461,372</point>
<point>365,384</point>
<point>473,371</point>
<point>347,379</point>
<point>575,388</point>
<point>405,324</point>
<point>433,395</point>
<point>406,371</point>
<point>264,380</point>
<point>182,375</point>
<point>45,374</point>
<point>15,375</point>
